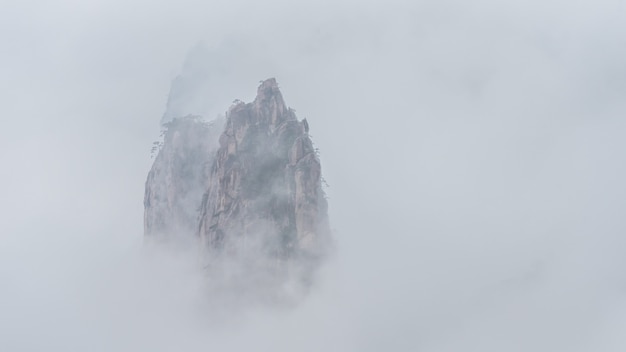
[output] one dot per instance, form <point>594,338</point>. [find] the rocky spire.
<point>265,184</point>
<point>262,199</point>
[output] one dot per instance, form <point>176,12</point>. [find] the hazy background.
<point>474,151</point>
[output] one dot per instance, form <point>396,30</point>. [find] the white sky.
<point>474,151</point>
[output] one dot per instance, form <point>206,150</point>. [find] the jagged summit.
<point>256,188</point>
<point>266,179</point>
<point>268,88</point>
<point>270,98</point>
<point>267,84</point>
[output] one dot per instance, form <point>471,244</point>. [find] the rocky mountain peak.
<point>270,104</point>
<point>256,190</point>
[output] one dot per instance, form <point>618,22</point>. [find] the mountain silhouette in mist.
<point>247,190</point>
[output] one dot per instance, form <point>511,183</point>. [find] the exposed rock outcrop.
<point>265,186</point>
<point>178,179</point>
<point>253,195</point>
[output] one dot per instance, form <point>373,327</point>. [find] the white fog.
<point>474,151</point>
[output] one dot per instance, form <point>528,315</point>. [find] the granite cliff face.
<point>253,196</point>
<point>178,179</point>
<point>265,186</point>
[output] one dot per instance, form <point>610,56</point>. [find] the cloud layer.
<point>474,152</point>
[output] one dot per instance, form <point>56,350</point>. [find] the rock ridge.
<point>249,190</point>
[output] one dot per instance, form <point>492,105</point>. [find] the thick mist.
<point>474,152</point>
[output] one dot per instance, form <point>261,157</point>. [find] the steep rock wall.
<point>265,184</point>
